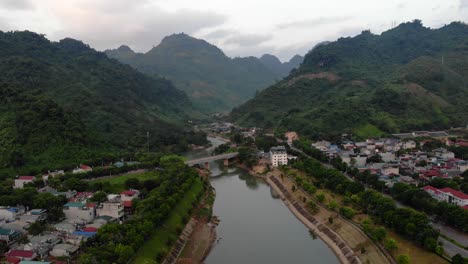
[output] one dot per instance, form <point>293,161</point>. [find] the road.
<point>449,248</point>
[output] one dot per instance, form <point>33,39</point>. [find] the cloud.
<point>16,4</point>
<point>141,26</point>
<point>320,21</point>
<point>247,39</point>
<point>219,34</point>
<point>463,5</point>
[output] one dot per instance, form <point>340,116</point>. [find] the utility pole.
<point>147,140</point>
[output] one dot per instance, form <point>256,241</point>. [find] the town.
<point>28,236</point>
<point>396,160</point>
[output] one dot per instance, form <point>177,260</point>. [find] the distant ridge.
<point>213,81</point>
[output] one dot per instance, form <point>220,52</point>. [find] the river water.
<point>256,226</point>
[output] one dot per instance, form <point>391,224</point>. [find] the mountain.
<point>65,102</point>
<point>276,66</point>
<point>213,81</point>
<point>408,78</point>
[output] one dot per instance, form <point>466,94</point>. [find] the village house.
<point>448,195</point>
<point>387,156</point>
<point>410,144</point>
<point>63,250</point>
<point>76,212</point>
<point>9,236</point>
<point>82,169</point>
<point>22,180</point>
<point>21,254</point>
<point>278,156</point>
<point>389,169</point>
<point>112,208</point>
<point>8,214</point>
<point>443,154</point>
<point>357,160</point>
<point>462,166</point>
<point>321,145</point>
<point>129,195</point>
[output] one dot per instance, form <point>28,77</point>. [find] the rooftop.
<point>26,178</point>
<point>74,205</point>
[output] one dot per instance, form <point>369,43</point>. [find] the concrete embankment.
<point>344,253</point>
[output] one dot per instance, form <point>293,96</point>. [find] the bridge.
<point>206,160</point>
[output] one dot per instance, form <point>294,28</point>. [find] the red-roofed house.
<point>22,180</point>
<point>90,229</point>
<point>449,195</point>
<point>21,254</point>
<point>129,195</point>
<point>13,260</point>
<point>82,169</point>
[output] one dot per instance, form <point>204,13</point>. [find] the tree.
<point>332,205</point>
<point>390,244</point>
<point>458,259</point>
<point>36,228</point>
<point>313,207</point>
<point>320,197</point>
<point>132,183</point>
<point>403,259</point>
<point>347,212</point>
<point>99,197</point>
<point>379,233</point>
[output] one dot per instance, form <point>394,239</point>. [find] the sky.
<point>238,27</point>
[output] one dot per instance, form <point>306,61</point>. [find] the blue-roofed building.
<point>84,234</point>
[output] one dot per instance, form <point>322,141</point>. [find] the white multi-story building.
<point>444,154</point>
<point>78,212</point>
<point>112,208</point>
<point>462,166</point>
<point>278,156</point>
<point>449,195</point>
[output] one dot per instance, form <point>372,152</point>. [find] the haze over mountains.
<point>408,78</point>
<point>213,81</point>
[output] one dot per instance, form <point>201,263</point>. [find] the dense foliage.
<point>213,81</point>
<point>407,78</point>
<point>64,102</point>
<point>117,243</point>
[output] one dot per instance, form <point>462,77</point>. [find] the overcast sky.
<point>239,27</point>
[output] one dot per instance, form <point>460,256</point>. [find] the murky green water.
<point>256,226</point>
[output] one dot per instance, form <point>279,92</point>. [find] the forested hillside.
<point>212,80</point>
<point>408,78</point>
<point>63,101</point>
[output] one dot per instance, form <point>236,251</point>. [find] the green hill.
<point>213,81</point>
<point>64,102</point>
<point>407,78</point>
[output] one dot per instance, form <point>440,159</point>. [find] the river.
<point>256,226</point>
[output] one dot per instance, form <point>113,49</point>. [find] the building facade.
<point>448,195</point>
<point>278,156</point>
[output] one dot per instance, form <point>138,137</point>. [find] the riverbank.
<point>339,247</point>
<point>343,252</point>
<point>157,246</point>
<point>203,236</point>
